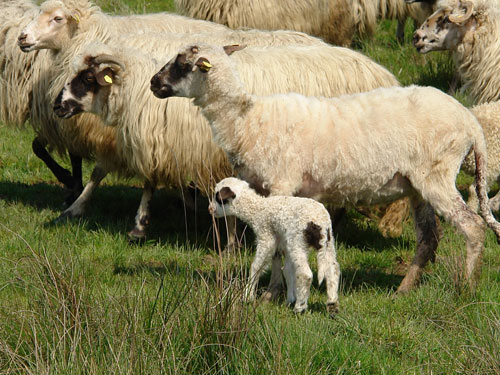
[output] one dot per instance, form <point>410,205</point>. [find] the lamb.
<point>335,21</point>
<point>295,145</point>
<point>295,223</point>
<point>318,69</point>
<point>471,31</point>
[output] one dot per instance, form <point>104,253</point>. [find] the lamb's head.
<point>55,25</point>
<point>226,197</point>
<point>446,27</point>
<point>187,71</point>
<point>94,81</point>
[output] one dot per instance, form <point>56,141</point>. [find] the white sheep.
<point>80,21</point>
<point>320,69</point>
<point>471,30</point>
<point>335,21</point>
<point>292,223</point>
<point>18,74</point>
<point>365,148</point>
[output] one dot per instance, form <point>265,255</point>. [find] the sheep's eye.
<point>89,78</point>
<point>58,19</point>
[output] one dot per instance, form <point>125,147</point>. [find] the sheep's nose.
<point>22,37</point>
<point>417,37</point>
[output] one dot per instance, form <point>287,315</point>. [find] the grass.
<point>78,298</point>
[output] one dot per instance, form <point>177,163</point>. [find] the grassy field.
<point>78,298</point>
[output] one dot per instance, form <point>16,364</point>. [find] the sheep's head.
<point>177,76</point>
<point>445,28</point>
<point>89,88</point>
<point>226,194</point>
<point>52,29</point>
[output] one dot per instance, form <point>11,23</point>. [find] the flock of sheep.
<point>287,112</point>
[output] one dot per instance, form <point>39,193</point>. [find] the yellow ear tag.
<point>207,64</point>
<point>76,18</point>
<point>108,79</point>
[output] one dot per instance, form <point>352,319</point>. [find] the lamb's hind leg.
<point>427,242</point>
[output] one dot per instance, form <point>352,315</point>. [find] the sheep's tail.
<point>481,185</point>
<point>326,255</point>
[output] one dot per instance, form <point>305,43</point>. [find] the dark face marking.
<point>67,109</point>
<point>312,235</point>
<point>173,72</point>
<point>84,83</point>
<point>328,235</point>
<point>223,195</point>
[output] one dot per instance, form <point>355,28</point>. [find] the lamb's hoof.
<point>272,294</point>
<point>332,308</point>
<point>136,235</point>
<point>299,309</point>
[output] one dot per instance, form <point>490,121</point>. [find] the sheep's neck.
<point>223,108</point>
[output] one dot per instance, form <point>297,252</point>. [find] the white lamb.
<point>365,148</point>
<point>292,223</point>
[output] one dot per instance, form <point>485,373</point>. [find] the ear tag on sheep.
<point>205,66</point>
<point>76,18</point>
<point>108,79</point>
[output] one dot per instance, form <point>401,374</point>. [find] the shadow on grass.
<point>113,209</point>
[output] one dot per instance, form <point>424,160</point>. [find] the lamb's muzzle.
<point>160,90</point>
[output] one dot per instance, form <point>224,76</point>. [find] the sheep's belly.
<point>395,188</point>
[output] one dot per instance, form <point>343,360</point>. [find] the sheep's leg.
<point>473,200</point>
<point>76,168</point>
<point>289,273</point>
<point>266,247</point>
<point>427,242</point>
<point>472,227</point>
<point>142,216</point>
<point>63,175</point>
<point>276,283</point>
<point>78,206</point>
<point>400,31</point>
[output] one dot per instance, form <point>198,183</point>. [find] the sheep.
<point>316,69</point>
<point>362,148</point>
<point>335,21</point>
<point>17,76</point>
<point>80,22</point>
<point>297,224</point>
<point>470,30</point>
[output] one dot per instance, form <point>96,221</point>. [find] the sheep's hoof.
<point>272,294</point>
<point>332,308</point>
<point>65,216</point>
<point>136,235</point>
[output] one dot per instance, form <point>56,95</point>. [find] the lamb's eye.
<point>58,19</point>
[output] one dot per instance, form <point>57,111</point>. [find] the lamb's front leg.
<point>266,246</point>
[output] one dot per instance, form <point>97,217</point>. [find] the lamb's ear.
<point>105,77</point>
<point>203,64</point>
<point>233,48</point>
<point>223,195</point>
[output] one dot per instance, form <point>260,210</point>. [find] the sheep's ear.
<point>105,77</point>
<point>76,16</point>
<point>203,64</point>
<point>233,48</point>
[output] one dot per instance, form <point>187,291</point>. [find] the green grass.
<point>78,298</point>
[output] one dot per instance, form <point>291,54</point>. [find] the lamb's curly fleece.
<point>289,222</point>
